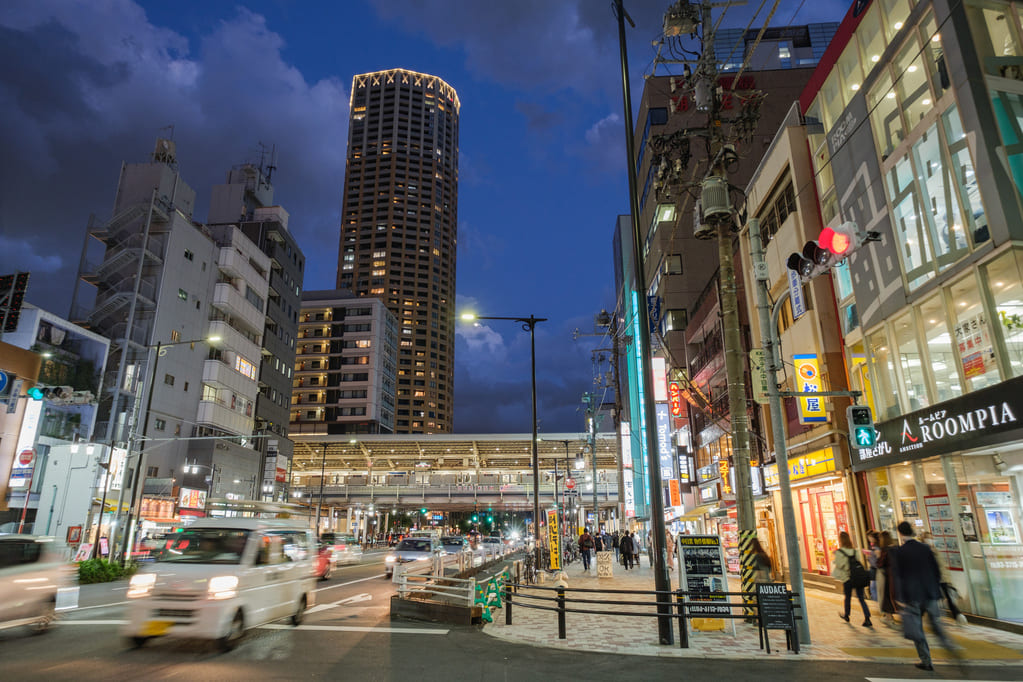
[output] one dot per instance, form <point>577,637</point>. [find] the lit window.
<point>245,367</point>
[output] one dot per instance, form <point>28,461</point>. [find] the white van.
<point>221,576</point>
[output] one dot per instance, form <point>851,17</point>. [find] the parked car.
<point>219,577</point>
<point>31,574</point>
<point>412,549</point>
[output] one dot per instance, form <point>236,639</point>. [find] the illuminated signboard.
<point>190,498</point>
<point>626,446</point>
<point>660,371</point>
<point>675,398</point>
<point>808,376</point>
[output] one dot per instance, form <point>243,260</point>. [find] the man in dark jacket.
<point>625,547</point>
<point>585,546</point>
<point>918,589</point>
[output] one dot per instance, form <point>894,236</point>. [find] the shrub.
<point>102,571</point>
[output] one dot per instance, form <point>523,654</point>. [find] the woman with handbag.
<point>846,568</point>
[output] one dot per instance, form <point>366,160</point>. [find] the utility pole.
<point>591,427</point>
<point>715,218</point>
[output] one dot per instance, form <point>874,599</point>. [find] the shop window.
<point>884,378</point>
<point>885,117</point>
<point>965,177</point>
<point>1004,279</point>
<point>871,37</point>
<point>973,336</point>
<point>935,56</point>
<point>895,14</point>
<point>849,67</point>
<point>938,195</point>
<point>912,88</point>
<point>910,230</point>
<point>996,36</point>
<point>831,98</point>
<point>910,360</point>
<point>941,358</point>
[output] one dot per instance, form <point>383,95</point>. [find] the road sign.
<point>3,381</point>
<point>570,483</point>
<point>26,456</point>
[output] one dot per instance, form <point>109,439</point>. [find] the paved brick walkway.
<point>832,638</point>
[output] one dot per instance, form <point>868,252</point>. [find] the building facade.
<point>346,368</point>
<point>184,307</point>
<point>918,140</point>
<point>399,229</point>
<point>245,200</point>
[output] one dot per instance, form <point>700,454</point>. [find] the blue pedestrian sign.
<point>3,382</point>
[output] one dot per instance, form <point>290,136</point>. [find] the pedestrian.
<point>918,589</point>
<point>670,542</point>
<point>947,589</point>
<point>885,590</point>
<point>873,551</point>
<point>598,542</point>
<point>847,569</point>
<point>625,547</point>
<point>615,540</point>
<point>762,562</point>
<point>636,547</point>
<point>585,545</point>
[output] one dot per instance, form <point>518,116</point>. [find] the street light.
<point>528,323</point>
<point>135,501</point>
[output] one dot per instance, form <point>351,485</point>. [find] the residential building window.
<point>189,255</point>
<point>175,335</point>
<point>1004,279</point>
<point>168,379</point>
<point>182,294</point>
<point>152,472</point>
<point>160,424</point>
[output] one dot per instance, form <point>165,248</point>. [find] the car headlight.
<point>141,584</point>
<point>223,587</point>
<point>390,559</point>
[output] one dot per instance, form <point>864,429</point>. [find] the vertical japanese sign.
<point>554,539</point>
<point>675,398</point>
<point>674,493</point>
<point>808,376</point>
<point>665,456</point>
<point>796,299</point>
<point>660,379</point>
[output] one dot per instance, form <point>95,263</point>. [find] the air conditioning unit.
<point>714,199</point>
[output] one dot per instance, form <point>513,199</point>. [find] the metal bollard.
<point>561,613</point>
<point>683,630</point>
<point>507,605</point>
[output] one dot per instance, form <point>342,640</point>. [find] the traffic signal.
<point>831,247</point>
<point>862,433</point>
<point>12,296</point>
<point>423,510</point>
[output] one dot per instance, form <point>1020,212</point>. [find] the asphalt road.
<point>350,636</point>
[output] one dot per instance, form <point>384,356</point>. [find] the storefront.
<point>955,469</point>
<point>820,503</point>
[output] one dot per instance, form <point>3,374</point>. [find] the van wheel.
<point>234,633</point>
<point>137,642</point>
<point>299,615</point>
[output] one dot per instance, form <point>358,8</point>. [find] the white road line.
<point>351,582</point>
<point>282,626</point>
<point>99,606</point>
<point>352,628</point>
<point>349,600</point>
<point>906,679</point>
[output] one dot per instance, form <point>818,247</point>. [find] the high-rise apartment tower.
<point>399,228</point>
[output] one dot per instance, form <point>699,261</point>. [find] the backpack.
<point>858,576</point>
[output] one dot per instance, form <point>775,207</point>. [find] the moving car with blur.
<point>220,577</point>
<point>455,544</point>
<point>336,550</point>
<point>411,550</point>
<point>31,576</point>
<point>493,545</point>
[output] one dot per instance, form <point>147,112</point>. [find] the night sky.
<point>87,85</point>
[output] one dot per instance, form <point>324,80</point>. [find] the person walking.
<point>847,569</point>
<point>762,561</point>
<point>625,547</point>
<point>885,591</point>
<point>585,545</point>
<point>669,542</point>
<point>947,590</point>
<point>636,547</point>
<point>918,589</point>
<point>615,540</point>
<point>873,551</point>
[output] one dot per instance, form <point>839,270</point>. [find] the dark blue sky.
<point>85,86</point>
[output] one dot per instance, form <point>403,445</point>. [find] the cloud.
<point>85,81</point>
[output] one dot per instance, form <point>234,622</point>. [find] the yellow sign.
<point>554,538</point>
<point>814,464</point>
<point>808,380</point>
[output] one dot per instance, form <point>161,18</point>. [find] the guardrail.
<point>688,605</point>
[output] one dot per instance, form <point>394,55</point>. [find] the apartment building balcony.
<point>235,264</point>
<point>708,357</point>
<point>218,373</point>
<point>233,339</point>
<point>227,298</point>
<point>220,415</point>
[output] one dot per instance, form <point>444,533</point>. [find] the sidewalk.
<point>832,638</point>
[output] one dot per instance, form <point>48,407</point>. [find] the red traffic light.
<point>841,240</point>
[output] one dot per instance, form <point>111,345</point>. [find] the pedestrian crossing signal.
<point>862,433</point>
